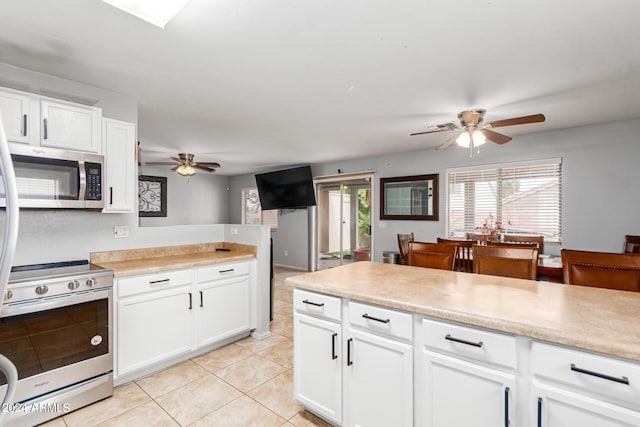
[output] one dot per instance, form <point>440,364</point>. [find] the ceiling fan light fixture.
<point>464,139</point>
<point>185,170</point>
<point>156,12</point>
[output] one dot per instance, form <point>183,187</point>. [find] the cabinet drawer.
<point>610,378</point>
<point>317,304</point>
<point>222,271</point>
<point>471,343</point>
<point>151,282</point>
<point>381,320</point>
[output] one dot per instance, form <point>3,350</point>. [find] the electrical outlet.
<point>234,230</point>
<point>120,231</point>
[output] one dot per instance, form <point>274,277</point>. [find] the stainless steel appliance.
<point>52,178</point>
<point>55,326</point>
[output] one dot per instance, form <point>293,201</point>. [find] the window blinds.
<point>526,197</point>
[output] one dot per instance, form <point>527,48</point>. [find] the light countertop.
<point>594,319</point>
<point>133,262</point>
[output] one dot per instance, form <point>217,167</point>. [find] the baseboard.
<point>261,336</point>
<point>291,267</point>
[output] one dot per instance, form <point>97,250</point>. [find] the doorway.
<point>343,220</point>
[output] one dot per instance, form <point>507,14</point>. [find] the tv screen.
<point>288,188</point>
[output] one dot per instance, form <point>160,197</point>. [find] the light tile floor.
<point>247,383</point>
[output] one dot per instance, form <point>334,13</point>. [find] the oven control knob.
<point>42,289</point>
<point>8,295</point>
<point>91,282</point>
<point>74,284</point>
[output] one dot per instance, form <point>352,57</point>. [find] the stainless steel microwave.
<point>53,178</point>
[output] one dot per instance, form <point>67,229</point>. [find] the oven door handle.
<point>48,303</point>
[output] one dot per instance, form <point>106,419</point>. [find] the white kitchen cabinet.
<point>154,319</point>
<point>317,353</point>
<point>14,107</point>
<point>119,147</point>
<point>222,302</point>
<point>576,388</point>
<point>70,126</point>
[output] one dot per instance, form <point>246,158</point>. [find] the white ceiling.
<point>258,85</point>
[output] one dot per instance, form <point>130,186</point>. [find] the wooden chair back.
<point>601,270</point>
<point>513,245</point>
<point>433,255</point>
<point>403,246</point>
<point>475,237</point>
<point>631,244</point>
<point>506,261</point>
<point>464,259</point>
<point>513,238</point>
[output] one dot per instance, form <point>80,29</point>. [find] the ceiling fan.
<point>474,133</point>
<point>186,166</point>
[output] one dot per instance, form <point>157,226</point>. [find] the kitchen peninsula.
<point>172,303</point>
<point>414,346</point>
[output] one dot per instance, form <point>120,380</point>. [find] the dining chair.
<point>517,238</point>
<point>601,269</point>
<point>403,246</point>
<point>464,259</point>
<point>506,261</point>
<point>474,236</point>
<point>433,255</point>
<point>631,244</point>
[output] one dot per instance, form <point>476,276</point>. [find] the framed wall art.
<point>152,196</point>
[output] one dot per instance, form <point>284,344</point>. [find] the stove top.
<point>52,270</point>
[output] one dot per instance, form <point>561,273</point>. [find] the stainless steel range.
<point>55,326</point>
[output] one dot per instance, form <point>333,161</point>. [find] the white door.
<point>458,393</point>
<point>153,327</point>
<point>223,309</point>
<point>555,407</point>
<point>317,361</point>
<point>378,381</point>
<point>15,115</point>
<point>119,140</point>
<point>69,126</point>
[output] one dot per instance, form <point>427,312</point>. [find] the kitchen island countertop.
<point>133,262</point>
<point>595,319</point>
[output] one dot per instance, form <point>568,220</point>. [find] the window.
<point>525,197</point>
<point>253,214</point>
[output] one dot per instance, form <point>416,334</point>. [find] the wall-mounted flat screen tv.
<point>287,188</point>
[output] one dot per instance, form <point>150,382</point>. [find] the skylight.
<point>156,12</point>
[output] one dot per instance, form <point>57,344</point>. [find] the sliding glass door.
<point>343,220</point>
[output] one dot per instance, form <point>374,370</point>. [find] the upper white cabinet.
<point>14,107</point>
<point>70,126</point>
<point>119,146</point>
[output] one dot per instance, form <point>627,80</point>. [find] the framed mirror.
<point>409,198</point>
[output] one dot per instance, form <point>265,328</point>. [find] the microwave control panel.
<point>94,181</point>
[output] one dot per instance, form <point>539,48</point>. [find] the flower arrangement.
<point>491,230</point>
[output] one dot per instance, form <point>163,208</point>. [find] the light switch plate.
<point>120,231</point>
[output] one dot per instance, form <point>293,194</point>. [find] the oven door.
<point>57,342</point>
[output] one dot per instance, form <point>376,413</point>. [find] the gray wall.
<point>600,197</point>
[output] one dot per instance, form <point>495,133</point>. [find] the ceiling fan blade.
<point>536,118</point>
<point>174,169</point>
<point>496,137</point>
<point>209,164</point>
<point>177,159</point>
<point>449,142</point>
<point>159,163</point>
<point>204,168</point>
<point>444,127</point>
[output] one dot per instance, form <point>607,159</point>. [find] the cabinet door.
<point>70,126</point>
<point>153,327</point>
<point>223,308</point>
<point>14,108</point>
<point>119,145</point>
<point>556,407</point>
<point>459,393</point>
<point>317,366</point>
<point>378,381</point>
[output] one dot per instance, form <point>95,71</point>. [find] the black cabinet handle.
<point>377,319</point>
<point>190,301</point>
<point>155,282</point>
<point>46,132</point>
<point>478,344</point>
<point>349,361</point>
<point>622,380</point>
<point>539,412</point>
<point>227,271</point>
<point>110,195</point>
<point>24,125</point>
<point>506,407</point>
<point>201,300</point>
<point>334,356</point>
<point>313,303</point>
